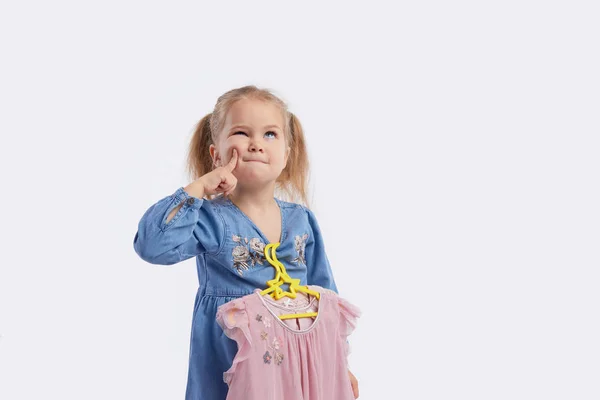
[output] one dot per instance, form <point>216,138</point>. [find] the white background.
<point>455,153</point>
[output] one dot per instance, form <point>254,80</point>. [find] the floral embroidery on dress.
<point>275,345</point>
<point>300,246</point>
<point>267,357</point>
<point>278,358</point>
<point>247,253</point>
<point>267,322</point>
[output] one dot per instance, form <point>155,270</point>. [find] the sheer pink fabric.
<point>295,359</point>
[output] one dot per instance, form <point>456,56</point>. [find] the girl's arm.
<point>319,270</point>
<point>178,227</point>
<point>194,189</point>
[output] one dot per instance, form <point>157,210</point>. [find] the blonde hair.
<point>293,181</point>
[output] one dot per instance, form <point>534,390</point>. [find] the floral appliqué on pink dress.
<point>292,359</point>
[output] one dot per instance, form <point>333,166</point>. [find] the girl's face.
<point>255,129</point>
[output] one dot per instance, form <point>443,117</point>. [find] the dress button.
<point>190,201</point>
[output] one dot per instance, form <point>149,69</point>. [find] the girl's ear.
<point>214,154</point>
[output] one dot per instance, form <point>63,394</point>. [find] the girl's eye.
<point>242,132</point>
<point>271,134</point>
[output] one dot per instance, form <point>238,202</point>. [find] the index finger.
<point>233,162</point>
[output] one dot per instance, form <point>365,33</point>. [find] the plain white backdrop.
<point>455,174</point>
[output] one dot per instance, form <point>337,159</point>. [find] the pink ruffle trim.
<point>233,319</point>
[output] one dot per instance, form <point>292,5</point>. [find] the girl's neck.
<point>257,199</point>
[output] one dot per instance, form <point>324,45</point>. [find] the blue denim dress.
<point>229,251</point>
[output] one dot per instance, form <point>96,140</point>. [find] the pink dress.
<point>292,359</point>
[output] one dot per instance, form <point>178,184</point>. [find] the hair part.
<point>292,183</point>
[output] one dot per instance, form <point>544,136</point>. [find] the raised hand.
<point>221,179</point>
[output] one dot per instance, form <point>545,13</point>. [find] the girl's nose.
<point>255,147</point>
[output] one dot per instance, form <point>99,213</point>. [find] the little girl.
<point>240,154</point>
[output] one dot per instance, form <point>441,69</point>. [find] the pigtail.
<point>294,177</point>
<point>199,161</point>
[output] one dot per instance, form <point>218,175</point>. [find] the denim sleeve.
<point>319,271</point>
<point>195,229</point>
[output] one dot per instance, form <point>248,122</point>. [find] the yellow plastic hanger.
<point>282,277</point>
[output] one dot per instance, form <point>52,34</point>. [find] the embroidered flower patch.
<point>300,246</point>
<point>247,253</point>
<point>275,344</point>
<point>267,357</point>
